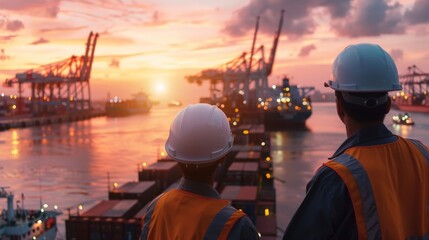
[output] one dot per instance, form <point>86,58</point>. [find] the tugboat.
<point>117,107</point>
<point>174,103</point>
<point>26,224</point>
<point>403,119</point>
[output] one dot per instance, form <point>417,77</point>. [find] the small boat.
<point>26,224</point>
<point>117,107</point>
<point>403,119</point>
<point>175,103</point>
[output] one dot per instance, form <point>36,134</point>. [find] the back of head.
<point>199,134</point>
<point>362,75</point>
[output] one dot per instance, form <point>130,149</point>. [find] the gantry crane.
<point>238,75</point>
<point>416,84</point>
<point>58,88</point>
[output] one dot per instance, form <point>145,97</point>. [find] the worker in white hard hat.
<point>376,185</point>
<point>199,139</point>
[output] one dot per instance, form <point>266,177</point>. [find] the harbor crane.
<point>243,72</point>
<point>60,87</point>
<point>415,83</point>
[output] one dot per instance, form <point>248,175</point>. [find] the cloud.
<point>397,54</point>
<point>157,20</point>
<point>7,38</point>
<point>61,29</point>
<point>3,56</point>
<point>371,18</point>
<point>348,18</point>
<point>419,13</point>
<point>114,63</point>
<point>40,8</point>
<point>305,51</point>
<point>298,17</point>
<point>14,25</point>
<point>40,41</point>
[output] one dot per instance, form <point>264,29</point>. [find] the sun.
<point>160,87</point>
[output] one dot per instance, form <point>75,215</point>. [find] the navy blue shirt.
<point>327,211</point>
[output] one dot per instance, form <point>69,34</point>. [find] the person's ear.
<point>388,105</point>
<point>340,111</point>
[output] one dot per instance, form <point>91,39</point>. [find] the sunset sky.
<point>144,45</point>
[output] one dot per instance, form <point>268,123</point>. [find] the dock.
<point>24,121</point>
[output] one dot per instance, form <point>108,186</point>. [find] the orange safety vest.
<point>388,185</point>
<point>179,214</point>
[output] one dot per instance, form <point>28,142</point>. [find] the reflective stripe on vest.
<point>382,181</point>
<point>179,214</point>
<point>223,223</point>
<point>361,195</point>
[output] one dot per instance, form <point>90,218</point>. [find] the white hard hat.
<point>364,68</point>
<point>199,134</point>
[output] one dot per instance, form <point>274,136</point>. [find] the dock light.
<point>80,207</point>
<point>39,221</point>
<point>268,176</point>
<point>245,132</point>
<point>244,102</point>
<point>42,210</point>
<point>14,107</point>
<point>274,86</point>
<point>234,123</point>
<point>267,212</point>
<point>144,163</point>
<point>260,99</point>
<point>278,100</point>
<point>287,89</point>
<point>308,108</point>
<point>222,105</point>
<point>163,154</point>
<point>262,144</point>
<point>115,185</point>
<point>236,110</point>
<point>268,159</point>
<point>55,207</point>
<point>265,107</point>
<point>45,205</point>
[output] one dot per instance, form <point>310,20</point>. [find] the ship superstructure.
<point>26,224</point>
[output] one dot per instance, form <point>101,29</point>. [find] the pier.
<point>30,121</point>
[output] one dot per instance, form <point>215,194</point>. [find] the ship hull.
<point>274,120</point>
<point>124,112</point>
<point>411,108</point>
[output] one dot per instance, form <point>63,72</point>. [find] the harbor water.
<point>68,164</point>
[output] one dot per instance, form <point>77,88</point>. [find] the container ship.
<point>414,96</point>
<point>24,223</point>
<point>121,108</point>
<point>287,106</point>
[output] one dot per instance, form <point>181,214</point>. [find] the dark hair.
<point>361,113</point>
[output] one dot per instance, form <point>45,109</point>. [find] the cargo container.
<point>143,191</point>
<point>242,197</point>
<point>164,173</point>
